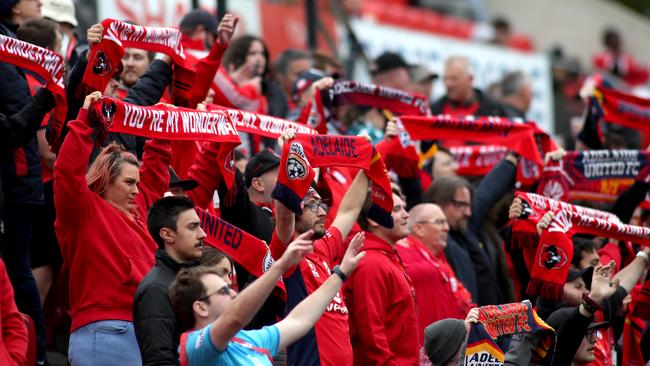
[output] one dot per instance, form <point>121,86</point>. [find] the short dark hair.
<point>164,214</point>
<point>581,244</point>
<point>184,290</point>
<point>285,59</point>
<point>443,189</point>
<point>211,256</point>
<point>39,31</point>
<point>238,51</point>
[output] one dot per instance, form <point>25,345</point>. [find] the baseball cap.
<point>61,11</point>
<point>6,5</point>
<point>560,316</point>
<point>176,182</point>
<point>443,339</point>
<point>304,81</point>
<point>585,273</point>
<point>259,164</point>
<point>388,61</point>
<point>421,73</point>
<point>198,17</point>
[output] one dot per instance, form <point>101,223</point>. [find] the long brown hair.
<point>107,167</point>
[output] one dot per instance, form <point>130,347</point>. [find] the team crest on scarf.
<point>268,261</point>
<point>102,65</point>
<point>108,111</point>
<point>297,166</point>
<point>229,162</point>
<point>552,257</point>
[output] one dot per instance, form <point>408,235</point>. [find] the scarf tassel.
<point>545,289</point>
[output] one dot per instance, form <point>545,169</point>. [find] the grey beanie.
<point>443,339</point>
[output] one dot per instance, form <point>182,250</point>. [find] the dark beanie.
<point>5,7</point>
<point>443,339</point>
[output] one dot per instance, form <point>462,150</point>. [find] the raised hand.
<point>91,98</point>
<point>296,250</point>
<point>94,35</point>
<point>353,254</point>
<point>287,135</point>
<point>545,222</point>
<point>602,285</point>
<point>516,209</point>
<point>227,28</point>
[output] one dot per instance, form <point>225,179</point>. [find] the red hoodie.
<point>106,252</point>
<point>381,301</point>
<point>13,344</point>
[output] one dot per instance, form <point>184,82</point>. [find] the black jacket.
<point>486,105</point>
<point>153,316</point>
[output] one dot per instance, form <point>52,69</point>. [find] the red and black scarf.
<point>624,109</point>
<point>595,175</point>
<point>248,251</point>
<point>555,249</point>
<point>305,152</point>
<point>507,319</point>
<point>261,124</point>
<point>48,65</point>
<point>399,154</point>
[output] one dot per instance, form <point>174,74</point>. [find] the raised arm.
<point>630,275</point>
<point>71,192</point>
<point>154,170</point>
<point>351,204</point>
<point>303,317</point>
<point>249,301</point>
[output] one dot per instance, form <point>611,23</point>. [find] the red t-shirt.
<point>329,341</point>
<point>433,295</point>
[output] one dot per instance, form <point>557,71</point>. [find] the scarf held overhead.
<point>502,320</point>
<point>555,249</point>
<point>305,152</point>
<point>46,64</point>
<point>624,109</point>
<point>251,253</point>
<point>261,124</point>
<point>595,175</point>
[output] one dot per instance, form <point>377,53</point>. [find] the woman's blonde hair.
<point>107,167</point>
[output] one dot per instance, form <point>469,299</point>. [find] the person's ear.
<point>257,184</point>
<point>168,235</point>
<point>373,223</point>
<point>200,308</point>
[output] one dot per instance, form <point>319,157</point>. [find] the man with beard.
<point>466,213</point>
<point>175,227</point>
<point>380,295</point>
<point>328,343</point>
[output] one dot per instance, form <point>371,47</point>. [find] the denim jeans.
<point>106,342</point>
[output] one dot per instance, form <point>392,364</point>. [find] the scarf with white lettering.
<point>105,57</point>
<point>595,175</point>
<point>624,109</point>
<point>167,122</point>
<point>521,138</point>
<point>46,64</point>
<point>318,110</point>
<point>555,249</point>
<point>524,231</point>
<point>261,124</point>
<point>248,251</point>
<point>507,319</point>
<point>305,152</point>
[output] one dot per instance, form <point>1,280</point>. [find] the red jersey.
<point>328,343</point>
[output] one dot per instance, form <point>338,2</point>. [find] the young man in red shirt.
<point>380,296</point>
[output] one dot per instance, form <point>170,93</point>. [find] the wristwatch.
<point>337,270</point>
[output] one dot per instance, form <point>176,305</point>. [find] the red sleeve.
<point>14,332</point>
<point>331,246</point>
<point>154,172</point>
<point>206,172</point>
<point>368,295</point>
<point>206,69</point>
<point>184,155</point>
<point>71,192</point>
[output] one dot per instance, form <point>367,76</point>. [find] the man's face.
<point>188,236</point>
<point>443,165</point>
<point>573,291</point>
<point>136,62</point>
<point>400,219</point>
<point>313,217</point>
<point>296,67</point>
<point>432,230</point>
<point>589,259</point>
<point>267,182</point>
<point>398,78</point>
<point>458,82</point>
<point>459,210</point>
<point>219,295</point>
<point>585,353</point>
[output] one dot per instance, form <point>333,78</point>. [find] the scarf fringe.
<point>545,289</point>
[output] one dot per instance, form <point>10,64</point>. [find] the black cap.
<point>176,182</point>
<point>259,164</point>
<point>304,81</point>
<point>198,17</point>
<point>585,273</point>
<point>443,339</point>
<point>388,61</point>
<point>560,316</point>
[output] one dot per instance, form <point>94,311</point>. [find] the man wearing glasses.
<point>328,343</point>
<point>466,210</point>
<point>438,293</point>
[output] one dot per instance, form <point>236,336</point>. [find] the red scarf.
<point>477,160</point>
<point>635,326</point>
<point>399,154</point>
<point>305,152</point>
<point>518,137</point>
<point>169,123</point>
<point>261,124</point>
<point>555,249</point>
<point>105,57</point>
<point>46,64</point>
<point>624,109</point>
<point>251,253</point>
<point>595,175</point>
